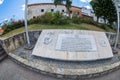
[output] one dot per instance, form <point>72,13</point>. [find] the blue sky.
<point>14,8</point>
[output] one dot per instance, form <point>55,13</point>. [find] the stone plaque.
<point>73,45</point>
<point>76,43</point>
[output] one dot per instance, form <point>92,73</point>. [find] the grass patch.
<point>82,26</point>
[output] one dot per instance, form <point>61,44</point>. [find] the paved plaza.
<point>12,71</point>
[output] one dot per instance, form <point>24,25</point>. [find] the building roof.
<point>49,4</point>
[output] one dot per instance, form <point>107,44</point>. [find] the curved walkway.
<point>11,71</point>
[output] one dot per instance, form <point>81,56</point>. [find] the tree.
<point>96,8</point>
<point>105,9</point>
<point>67,3</point>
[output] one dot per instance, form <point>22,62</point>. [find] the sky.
<point>15,8</point>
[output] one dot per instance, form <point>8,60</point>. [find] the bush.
<point>13,25</point>
<point>76,19</point>
<point>34,20</point>
<point>46,18</point>
<point>59,19</point>
<point>50,18</point>
<point>105,27</point>
<point>88,20</point>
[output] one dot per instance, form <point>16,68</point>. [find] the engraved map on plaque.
<point>76,43</point>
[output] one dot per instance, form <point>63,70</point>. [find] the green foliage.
<point>59,19</point>
<point>55,19</point>
<point>13,25</point>
<point>89,21</point>
<point>50,18</point>
<point>105,27</point>
<point>105,9</point>
<point>46,18</point>
<point>76,19</point>
<point>102,26</point>
<point>34,20</point>
<point>67,4</point>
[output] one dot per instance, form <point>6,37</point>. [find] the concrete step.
<point>3,57</point>
<point>1,49</point>
<point>2,52</point>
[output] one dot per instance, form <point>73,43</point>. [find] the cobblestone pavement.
<point>12,71</point>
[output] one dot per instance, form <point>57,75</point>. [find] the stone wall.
<point>76,10</point>
<point>35,10</point>
<point>16,41</point>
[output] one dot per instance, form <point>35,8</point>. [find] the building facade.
<point>100,20</point>
<point>35,10</point>
<point>87,12</point>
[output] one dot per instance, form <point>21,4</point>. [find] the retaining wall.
<point>18,40</point>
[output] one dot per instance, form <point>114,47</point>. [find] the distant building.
<point>35,10</point>
<point>87,12</point>
<point>39,9</point>
<point>76,10</point>
<point>100,20</point>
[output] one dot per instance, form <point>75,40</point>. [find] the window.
<point>101,20</point>
<point>34,17</point>
<point>63,11</point>
<point>52,10</point>
<point>70,11</point>
<point>42,10</point>
<point>78,13</point>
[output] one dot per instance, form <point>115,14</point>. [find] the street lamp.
<point>26,26</point>
<point>118,22</point>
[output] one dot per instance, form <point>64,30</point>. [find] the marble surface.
<point>76,43</point>
<point>47,41</point>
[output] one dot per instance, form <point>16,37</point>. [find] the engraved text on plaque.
<point>76,43</point>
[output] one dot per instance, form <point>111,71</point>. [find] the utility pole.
<point>118,23</point>
<point>26,25</point>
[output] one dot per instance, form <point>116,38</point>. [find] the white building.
<point>90,13</point>
<point>100,20</point>
<point>87,12</point>
<point>40,9</point>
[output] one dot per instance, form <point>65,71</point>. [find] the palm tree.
<point>67,3</point>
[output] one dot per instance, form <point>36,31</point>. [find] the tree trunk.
<point>104,21</point>
<point>97,19</point>
<point>69,14</point>
<point>68,5</point>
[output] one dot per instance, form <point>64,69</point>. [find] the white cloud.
<point>23,7</point>
<point>88,7</point>
<point>1,1</point>
<point>85,0</point>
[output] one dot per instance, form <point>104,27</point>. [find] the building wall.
<point>35,10</point>
<point>87,12</point>
<point>40,9</point>
<point>76,10</point>
<point>100,20</point>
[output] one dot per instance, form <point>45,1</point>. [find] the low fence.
<point>18,40</point>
